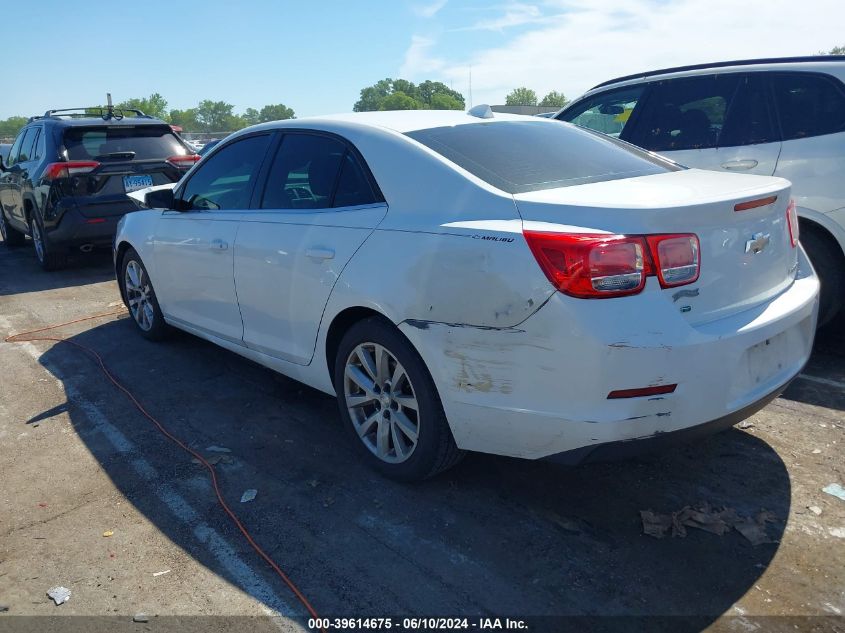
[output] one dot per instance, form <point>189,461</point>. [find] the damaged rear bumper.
<point>626,449</point>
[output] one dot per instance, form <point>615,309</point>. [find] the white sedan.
<point>479,282</point>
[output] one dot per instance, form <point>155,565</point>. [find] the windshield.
<point>521,156</point>
<point>142,142</point>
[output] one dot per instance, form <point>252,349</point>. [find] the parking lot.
<point>492,537</point>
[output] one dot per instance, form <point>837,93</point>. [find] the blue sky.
<point>315,57</point>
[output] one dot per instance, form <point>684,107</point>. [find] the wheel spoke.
<point>382,435</point>
<point>407,427</point>
<point>367,424</point>
<point>354,373</point>
<point>367,362</point>
<point>382,361</point>
<point>406,402</point>
<point>398,444</point>
<point>354,402</point>
<point>132,275</point>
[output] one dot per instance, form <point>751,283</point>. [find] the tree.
<point>215,116</point>
<point>251,116</point>
<point>11,126</point>
<point>277,112</point>
<point>521,97</point>
<point>836,50</point>
<point>429,94</point>
<point>554,99</point>
<point>186,119</point>
<point>399,101</point>
<point>154,105</point>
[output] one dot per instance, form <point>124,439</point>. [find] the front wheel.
<point>140,297</point>
<point>390,405</point>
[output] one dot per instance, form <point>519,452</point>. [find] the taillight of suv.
<point>56,171</point>
<point>598,266</point>
<point>185,161</point>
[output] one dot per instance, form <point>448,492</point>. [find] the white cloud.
<point>418,59</point>
<point>580,43</point>
<point>515,14</point>
<point>429,10</point>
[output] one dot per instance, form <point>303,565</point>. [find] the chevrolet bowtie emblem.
<point>757,243</point>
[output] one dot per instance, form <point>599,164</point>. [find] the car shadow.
<point>82,269</point>
<point>494,536</point>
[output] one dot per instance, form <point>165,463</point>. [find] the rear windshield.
<point>520,156</point>
<point>102,143</point>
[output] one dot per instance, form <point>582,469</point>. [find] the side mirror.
<point>159,199</point>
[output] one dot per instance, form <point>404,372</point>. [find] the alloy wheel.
<point>381,402</point>
<point>37,240</point>
<point>139,295</point>
<point>3,226</point>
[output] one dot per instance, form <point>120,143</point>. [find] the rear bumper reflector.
<point>643,391</point>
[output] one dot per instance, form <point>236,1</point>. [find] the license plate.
<point>133,183</point>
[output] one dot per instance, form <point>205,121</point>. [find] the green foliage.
<point>277,112</point>
<point>554,99</point>
<point>836,50</point>
<point>401,94</point>
<point>154,105</point>
<point>521,97</point>
<point>11,126</point>
<point>186,119</point>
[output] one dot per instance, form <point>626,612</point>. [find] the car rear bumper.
<point>74,230</point>
<point>541,388</point>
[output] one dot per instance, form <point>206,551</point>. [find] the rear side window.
<point>27,145</point>
<point>608,112</point>
<point>104,143</point>
<point>808,105</point>
<point>312,171</point>
<point>521,156</point>
<point>686,113</point>
<point>226,179</point>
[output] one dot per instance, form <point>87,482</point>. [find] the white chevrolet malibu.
<point>479,282</point>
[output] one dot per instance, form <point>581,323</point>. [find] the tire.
<point>140,297</point>
<point>47,254</point>
<point>11,237</point>
<point>827,259</point>
<point>383,408</point>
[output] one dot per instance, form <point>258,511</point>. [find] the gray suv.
<point>782,117</point>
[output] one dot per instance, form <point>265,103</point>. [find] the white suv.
<point>782,117</point>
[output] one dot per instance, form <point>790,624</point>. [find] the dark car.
<point>68,172</point>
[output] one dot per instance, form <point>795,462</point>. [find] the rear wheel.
<point>48,255</point>
<point>11,237</point>
<point>390,405</point>
<point>141,298</point>
<point>827,259</point>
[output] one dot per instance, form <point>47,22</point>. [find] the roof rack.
<point>739,62</point>
<point>104,112</point>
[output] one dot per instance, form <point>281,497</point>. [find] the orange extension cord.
<point>24,337</point>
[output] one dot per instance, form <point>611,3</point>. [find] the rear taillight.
<point>595,266</point>
<point>185,161</point>
<point>676,258</point>
<point>792,223</point>
<point>55,171</point>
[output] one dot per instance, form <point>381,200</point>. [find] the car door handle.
<point>320,253</point>
<point>738,165</point>
<point>218,245</point>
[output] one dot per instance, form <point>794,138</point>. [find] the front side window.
<point>607,113</point>
<point>522,156</point>
<point>226,179</point>
<point>26,145</point>
<point>686,113</point>
<point>750,120</point>
<point>808,104</point>
<point>312,171</point>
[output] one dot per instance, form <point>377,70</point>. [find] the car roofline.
<point>739,62</point>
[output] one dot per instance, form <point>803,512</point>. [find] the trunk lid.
<point>746,256</point>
